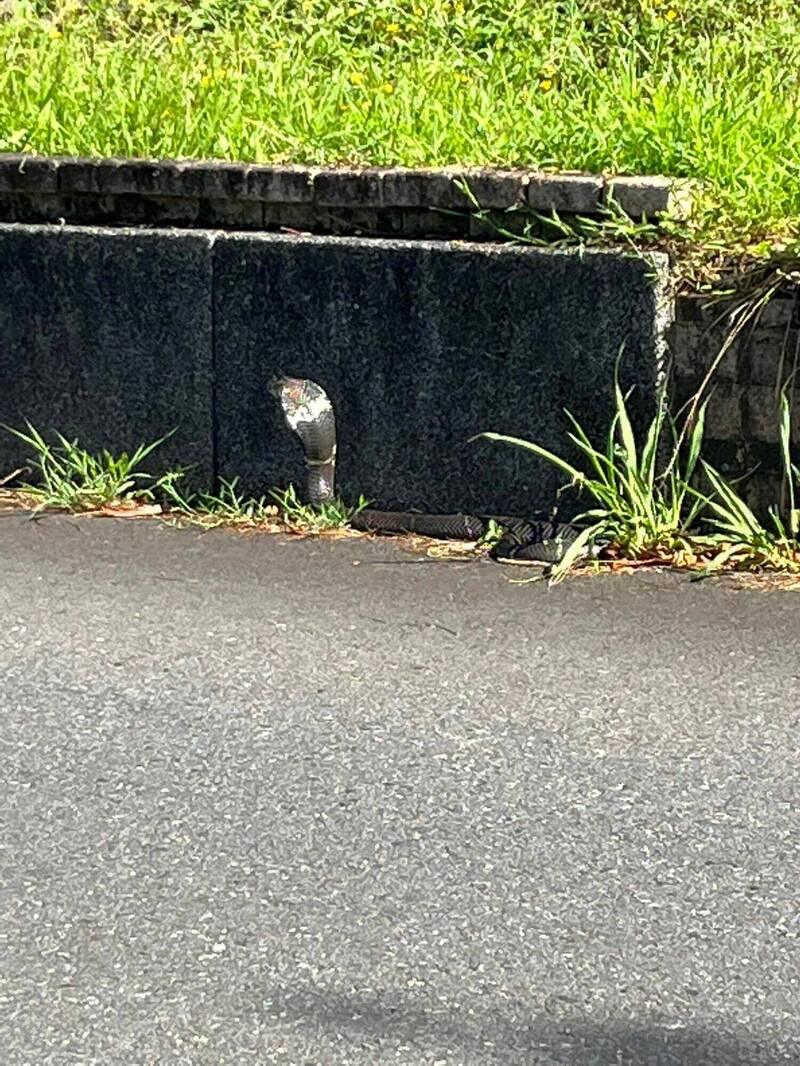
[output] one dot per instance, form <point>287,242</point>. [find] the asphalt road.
<point>275,801</point>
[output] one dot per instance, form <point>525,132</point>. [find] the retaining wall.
<point>118,336</point>
<point>421,346</point>
<point>373,201</point>
<point>107,336</point>
<point>743,421</point>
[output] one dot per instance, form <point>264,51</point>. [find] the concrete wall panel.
<point>106,335</point>
<point>420,346</point>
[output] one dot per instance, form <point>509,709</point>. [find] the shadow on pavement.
<point>484,1036</point>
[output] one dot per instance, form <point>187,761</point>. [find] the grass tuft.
<point>303,517</point>
<point>739,539</point>
<point>639,511</point>
<point>73,479</point>
<point>226,507</point>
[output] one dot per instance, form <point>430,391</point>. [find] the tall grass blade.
<point>571,471</point>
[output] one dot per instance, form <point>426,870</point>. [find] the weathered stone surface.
<point>348,221</point>
<point>211,180</point>
<point>280,185</point>
<point>348,187</point>
<point>143,178</point>
<point>406,191</point>
<point>127,209</point>
<point>428,222</point>
<point>95,176</point>
<point>695,345</point>
<point>496,189</point>
<point>724,415</point>
<point>358,222</point>
<point>762,414</point>
<point>97,209</point>
<point>106,335</point>
<point>299,218</point>
<point>27,173</point>
<point>577,194</point>
<point>31,207</point>
<point>390,222</point>
<point>758,361</point>
<point>650,196</point>
<point>440,187</point>
<point>157,210</point>
<point>231,214</point>
<point>743,419</point>
<point>435,320</point>
<point>781,312</point>
<point>160,178</point>
<point>423,188</point>
<point>772,356</point>
<point>420,347</point>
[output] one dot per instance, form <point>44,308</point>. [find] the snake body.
<point>308,412</point>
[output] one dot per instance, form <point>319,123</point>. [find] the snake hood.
<point>309,413</point>
<point>301,400</point>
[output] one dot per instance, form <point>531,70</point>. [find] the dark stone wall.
<point>117,336</point>
<point>106,335</point>
<point>420,347</point>
<point>743,418</point>
<point>374,201</point>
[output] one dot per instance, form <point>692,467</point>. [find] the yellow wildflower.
<point>393,27</point>
<point>206,80</point>
<point>178,40</point>
<point>671,15</point>
<point>388,88</point>
<point>352,12</point>
<point>55,35</point>
<point>356,78</point>
<point>462,77</point>
<point>546,84</point>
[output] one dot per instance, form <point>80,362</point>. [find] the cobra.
<point>309,414</point>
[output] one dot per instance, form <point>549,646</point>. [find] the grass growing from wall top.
<point>701,88</point>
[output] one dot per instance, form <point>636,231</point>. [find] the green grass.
<point>228,506</point>
<point>739,538</point>
<point>333,514</point>
<point>67,477</point>
<point>705,89</point>
<point>642,504</point>
<point>70,478</point>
